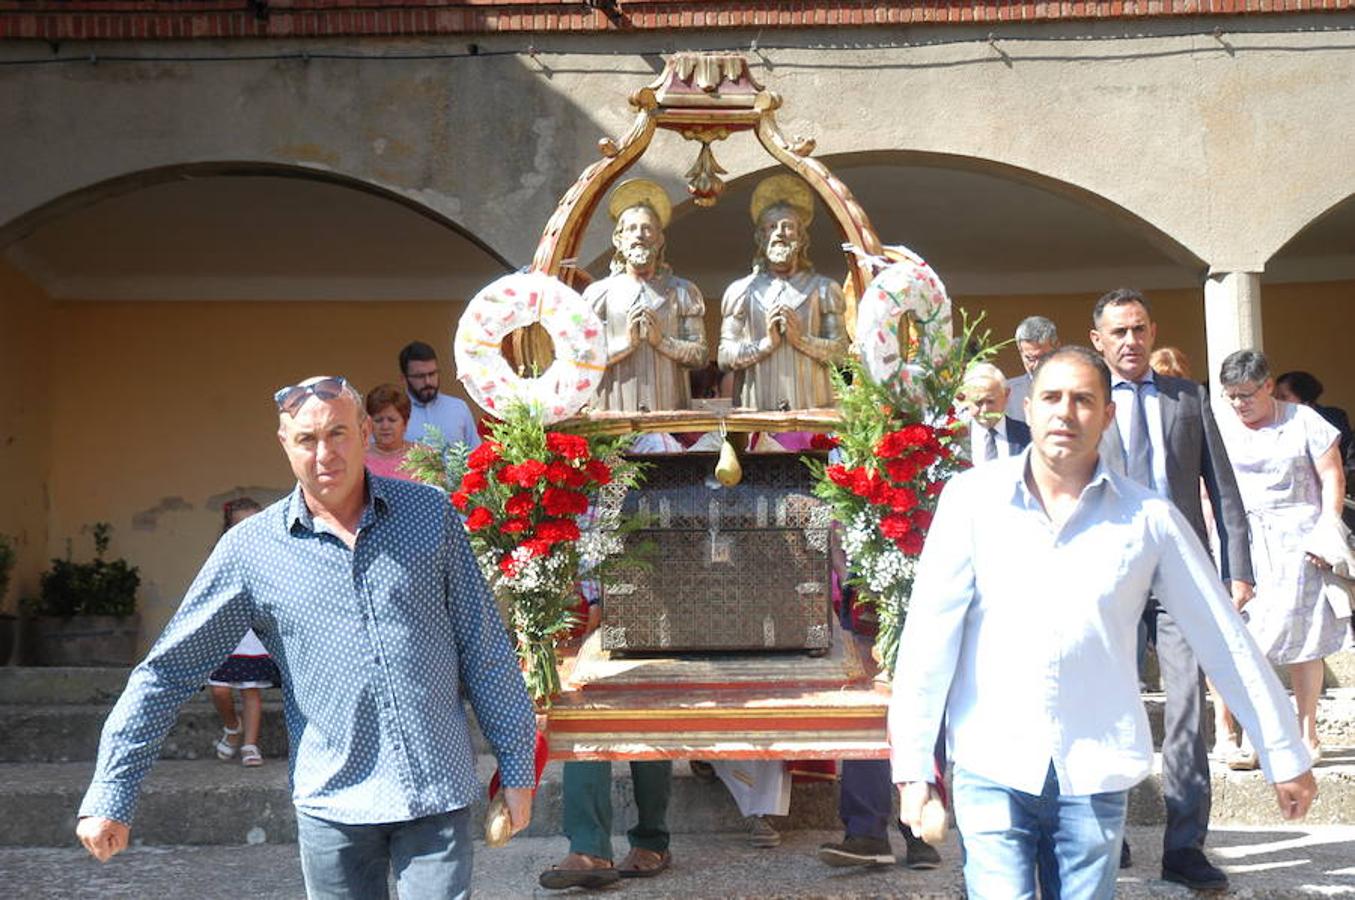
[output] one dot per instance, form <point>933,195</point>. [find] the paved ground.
<point>1263,862</point>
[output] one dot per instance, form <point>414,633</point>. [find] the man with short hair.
<point>1035,337</point>
<point>449,415</point>
<point>992,434</point>
<point>365,592</point>
<point>1164,437</point>
<point>1036,678</point>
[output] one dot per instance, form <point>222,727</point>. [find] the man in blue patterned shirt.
<point>365,592</point>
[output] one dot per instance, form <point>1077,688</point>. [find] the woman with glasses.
<point>1289,473</point>
<point>388,407</point>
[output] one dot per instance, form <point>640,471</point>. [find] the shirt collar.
<point>378,501</point>
<point>1021,493</point>
<point>1150,377</point>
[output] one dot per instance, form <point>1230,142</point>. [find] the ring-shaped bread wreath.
<point>905,290</point>
<point>517,301</point>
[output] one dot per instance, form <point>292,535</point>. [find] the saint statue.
<point>782,326</point>
<point>654,320</point>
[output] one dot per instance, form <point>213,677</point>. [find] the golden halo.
<point>788,189</point>
<point>636,191</point>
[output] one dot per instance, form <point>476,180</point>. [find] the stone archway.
<point>1309,300</point>
<point>150,317</point>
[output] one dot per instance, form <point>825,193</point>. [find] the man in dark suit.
<point>1165,437</point>
<point>992,435</point>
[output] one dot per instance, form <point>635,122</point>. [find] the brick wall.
<point>57,20</point>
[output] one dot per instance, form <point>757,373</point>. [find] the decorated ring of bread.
<point>902,291</point>
<point>517,301</point>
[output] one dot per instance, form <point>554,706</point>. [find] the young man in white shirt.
<point>1036,677</point>
<point>449,415</point>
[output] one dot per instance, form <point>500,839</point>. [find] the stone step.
<point>1278,863</point>
<point>210,802</point>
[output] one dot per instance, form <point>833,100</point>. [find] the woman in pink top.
<point>388,407</point>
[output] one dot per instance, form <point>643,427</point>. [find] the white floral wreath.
<point>517,301</point>
<point>906,286</point>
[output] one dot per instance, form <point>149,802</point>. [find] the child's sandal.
<point>224,748</point>
<point>250,756</point>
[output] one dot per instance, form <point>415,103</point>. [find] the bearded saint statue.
<point>654,321</point>
<point>782,326</point>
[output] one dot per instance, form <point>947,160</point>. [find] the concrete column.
<point>1232,317</point>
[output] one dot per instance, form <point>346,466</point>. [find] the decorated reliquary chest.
<point>726,568</point>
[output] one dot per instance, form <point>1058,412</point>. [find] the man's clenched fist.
<point>103,838</point>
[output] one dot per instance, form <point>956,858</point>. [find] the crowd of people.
<point>1106,469</point>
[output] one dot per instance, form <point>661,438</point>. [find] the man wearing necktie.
<point>1165,438</point>
<point>992,435</point>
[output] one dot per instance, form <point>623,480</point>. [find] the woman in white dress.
<point>1288,469</point>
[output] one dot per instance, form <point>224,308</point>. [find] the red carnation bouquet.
<point>542,509</point>
<point>897,447</point>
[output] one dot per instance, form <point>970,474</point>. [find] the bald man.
<point>365,592</point>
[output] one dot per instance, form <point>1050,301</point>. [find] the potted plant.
<point>7,557</point>
<point>85,614</point>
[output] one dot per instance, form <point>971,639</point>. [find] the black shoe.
<point>919,854</point>
<point>1126,858</point>
<point>856,850</point>
<point>1189,866</point>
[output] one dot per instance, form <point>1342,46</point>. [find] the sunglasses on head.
<point>289,399</point>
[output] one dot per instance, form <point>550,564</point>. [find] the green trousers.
<point>588,806</point>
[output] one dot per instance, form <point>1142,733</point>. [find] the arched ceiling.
<point>251,237</point>
<point>1324,251</point>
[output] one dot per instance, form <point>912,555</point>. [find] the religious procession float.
<point>700,493</point>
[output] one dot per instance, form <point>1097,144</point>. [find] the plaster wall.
<point>1229,147</point>
<point>26,369</point>
<point>160,412</point>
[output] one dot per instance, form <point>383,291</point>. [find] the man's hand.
<point>1296,796</point>
<point>519,802</point>
<point>105,838</point>
<point>912,798</point>
<point>1242,593</point>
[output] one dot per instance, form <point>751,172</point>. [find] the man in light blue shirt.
<point>366,594</point>
<point>449,415</point>
<point>1036,677</point>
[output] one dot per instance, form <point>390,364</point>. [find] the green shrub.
<point>97,588</point>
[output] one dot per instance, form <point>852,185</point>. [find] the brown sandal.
<point>642,863</point>
<point>579,870</point>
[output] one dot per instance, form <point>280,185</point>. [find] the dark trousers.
<point>866,801</point>
<point>1185,759</point>
<point>588,806</point>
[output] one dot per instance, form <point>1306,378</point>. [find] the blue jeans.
<point>1009,835</point>
<point>431,857</point>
